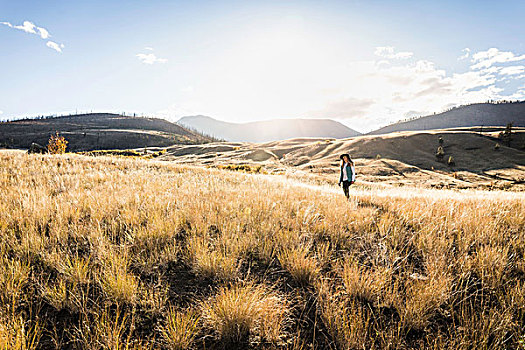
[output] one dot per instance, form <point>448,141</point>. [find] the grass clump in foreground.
<point>101,253</point>
<point>242,310</point>
<point>180,329</point>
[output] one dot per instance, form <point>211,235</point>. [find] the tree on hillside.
<point>440,153</point>
<point>506,136</point>
<point>57,144</point>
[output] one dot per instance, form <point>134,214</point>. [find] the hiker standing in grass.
<point>347,176</point>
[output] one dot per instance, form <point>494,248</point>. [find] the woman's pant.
<point>346,186</point>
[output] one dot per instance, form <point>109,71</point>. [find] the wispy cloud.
<point>512,70</point>
<point>486,59</point>
<point>43,33</point>
<point>150,58</point>
<point>466,54</point>
<point>55,46</point>
<point>390,53</point>
<point>31,28</point>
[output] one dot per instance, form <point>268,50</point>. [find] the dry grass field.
<point>116,253</point>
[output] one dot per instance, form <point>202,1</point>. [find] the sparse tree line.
<point>504,136</point>
<point>202,133</point>
<point>493,102</point>
<point>57,116</point>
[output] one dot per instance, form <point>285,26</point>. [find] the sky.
<point>363,63</point>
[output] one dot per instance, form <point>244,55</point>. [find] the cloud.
<point>31,28</point>
<point>466,54</point>
<point>150,58</point>
<point>55,46</point>
<point>382,93</point>
<point>519,94</point>
<point>512,70</point>
<point>486,59</point>
<point>389,52</point>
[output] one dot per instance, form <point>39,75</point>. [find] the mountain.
<point>480,114</point>
<point>98,131</point>
<point>270,130</point>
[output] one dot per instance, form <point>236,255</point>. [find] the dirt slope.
<point>397,158</point>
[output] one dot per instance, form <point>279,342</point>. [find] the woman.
<point>347,176</point>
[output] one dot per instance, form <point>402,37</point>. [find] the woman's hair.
<point>346,155</point>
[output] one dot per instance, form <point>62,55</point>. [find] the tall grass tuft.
<point>245,310</point>
<point>180,329</point>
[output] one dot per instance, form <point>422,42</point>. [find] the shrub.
<point>57,144</point>
<point>113,152</point>
<point>242,167</point>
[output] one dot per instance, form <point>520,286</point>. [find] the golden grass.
<point>244,310</point>
<point>302,268</point>
<point>131,253</point>
<point>180,329</point>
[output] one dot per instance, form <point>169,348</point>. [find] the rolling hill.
<point>98,131</point>
<point>405,158</point>
<point>271,130</point>
<point>481,114</point>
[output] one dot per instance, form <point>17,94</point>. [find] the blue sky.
<point>365,63</point>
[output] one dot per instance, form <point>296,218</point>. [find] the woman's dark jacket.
<point>349,173</point>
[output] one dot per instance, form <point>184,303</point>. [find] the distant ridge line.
<point>478,114</point>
